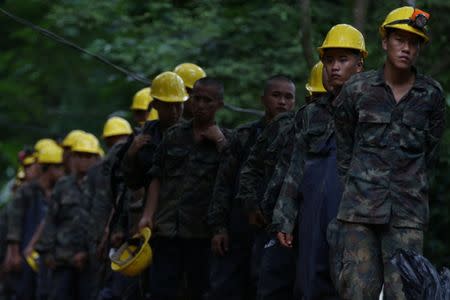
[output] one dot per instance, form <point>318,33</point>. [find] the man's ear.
<point>360,65</point>
<point>384,43</point>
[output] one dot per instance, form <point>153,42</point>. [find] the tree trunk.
<point>305,32</point>
<point>360,14</point>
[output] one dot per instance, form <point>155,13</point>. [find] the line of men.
<point>305,204</point>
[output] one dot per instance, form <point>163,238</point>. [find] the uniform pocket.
<point>373,127</point>
<point>414,127</point>
<point>175,164</point>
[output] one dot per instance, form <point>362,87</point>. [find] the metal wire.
<point>133,75</point>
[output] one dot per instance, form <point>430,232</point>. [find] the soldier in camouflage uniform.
<point>64,242</point>
<point>25,219</point>
<point>232,237</point>
<point>269,259</point>
<point>182,182</point>
<point>388,129</point>
<point>311,184</point>
<point>100,194</point>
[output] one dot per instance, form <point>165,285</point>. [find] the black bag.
<point>420,278</point>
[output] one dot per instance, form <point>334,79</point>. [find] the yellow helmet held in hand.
<point>87,143</point>
<point>43,143</point>
<point>409,19</point>
<point>32,261</point>
<point>50,154</point>
<point>71,137</point>
<point>116,126</point>
<point>142,99</point>
<point>169,87</point>
<point>315,84</point>
<point>344,36</point>
<point>134,256</point>
<point>190,73</point>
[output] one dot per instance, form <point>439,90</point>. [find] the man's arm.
<point>437,127</point>
<point>345,121</point>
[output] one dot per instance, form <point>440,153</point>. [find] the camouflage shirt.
<point>64,235</point>
<point>187,172</point>
<point>223,208</point>
<point>135,168</point>
<point>314,126</point>
<point>27,210</point>
<point>386,149</point>
<point>259,167</point>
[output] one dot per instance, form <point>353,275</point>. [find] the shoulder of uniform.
<point>25,187</point>
<point>247,127</point>
<point>181,125</point>
<point>433,83</point>
<point>286,116</point>
<point>366,76</point>
<point>64,180</point>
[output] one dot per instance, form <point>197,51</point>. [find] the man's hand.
<point>117,239</point>
<point>138,141</point>
<point>285,239</point>
<point>13,260</point>
<point>28,250</point>
<point>219,244</point>
<point>146,221</point>
<point>214,134</point>
<point>257,218</point>
<point>79,260</point>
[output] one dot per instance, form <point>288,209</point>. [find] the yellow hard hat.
<point>153,115</point>
<point>190,73</point>
<point>101,152</point>
<point>344,36</point>
<point>50,154</point>
<point>32,261</point>
<point>134,256</point>
<point>409,19</point>
<point>142,99</point>
<point>86,143</point>
<point>29,160</point>
<point>71,137</point>
<point>43,143</point>
<point>169,87</point>
<point>116,126</point>
<point>315,84</point>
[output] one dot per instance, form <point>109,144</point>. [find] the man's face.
<point>82,162</point>
<point>140,116</point>
<point>169,113</point>
<point>402,48</point>
<point>57,171</point>
<point>205,102</point>
<point>278,97</point>
<point>339,64</point>
<point>32,171</point>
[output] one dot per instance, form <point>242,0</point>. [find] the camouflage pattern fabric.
<point>223,202</point>
<point>387,150</point>
<point>187,172</point>
<point>260,165</point>
<point>314,126</point>
<point>27,209</point>
<point>135,168</point>
<point>360,258</point>
<point>64,235</point>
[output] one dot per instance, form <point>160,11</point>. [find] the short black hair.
<point>213,82</point>
<point>277,78</point>
<point>390,30</point>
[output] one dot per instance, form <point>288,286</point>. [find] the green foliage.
<point>48,89</point>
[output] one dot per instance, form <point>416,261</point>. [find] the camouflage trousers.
<point>360,258</point>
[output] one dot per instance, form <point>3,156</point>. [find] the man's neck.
<point>397,77</point>
<point>45,182</point>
